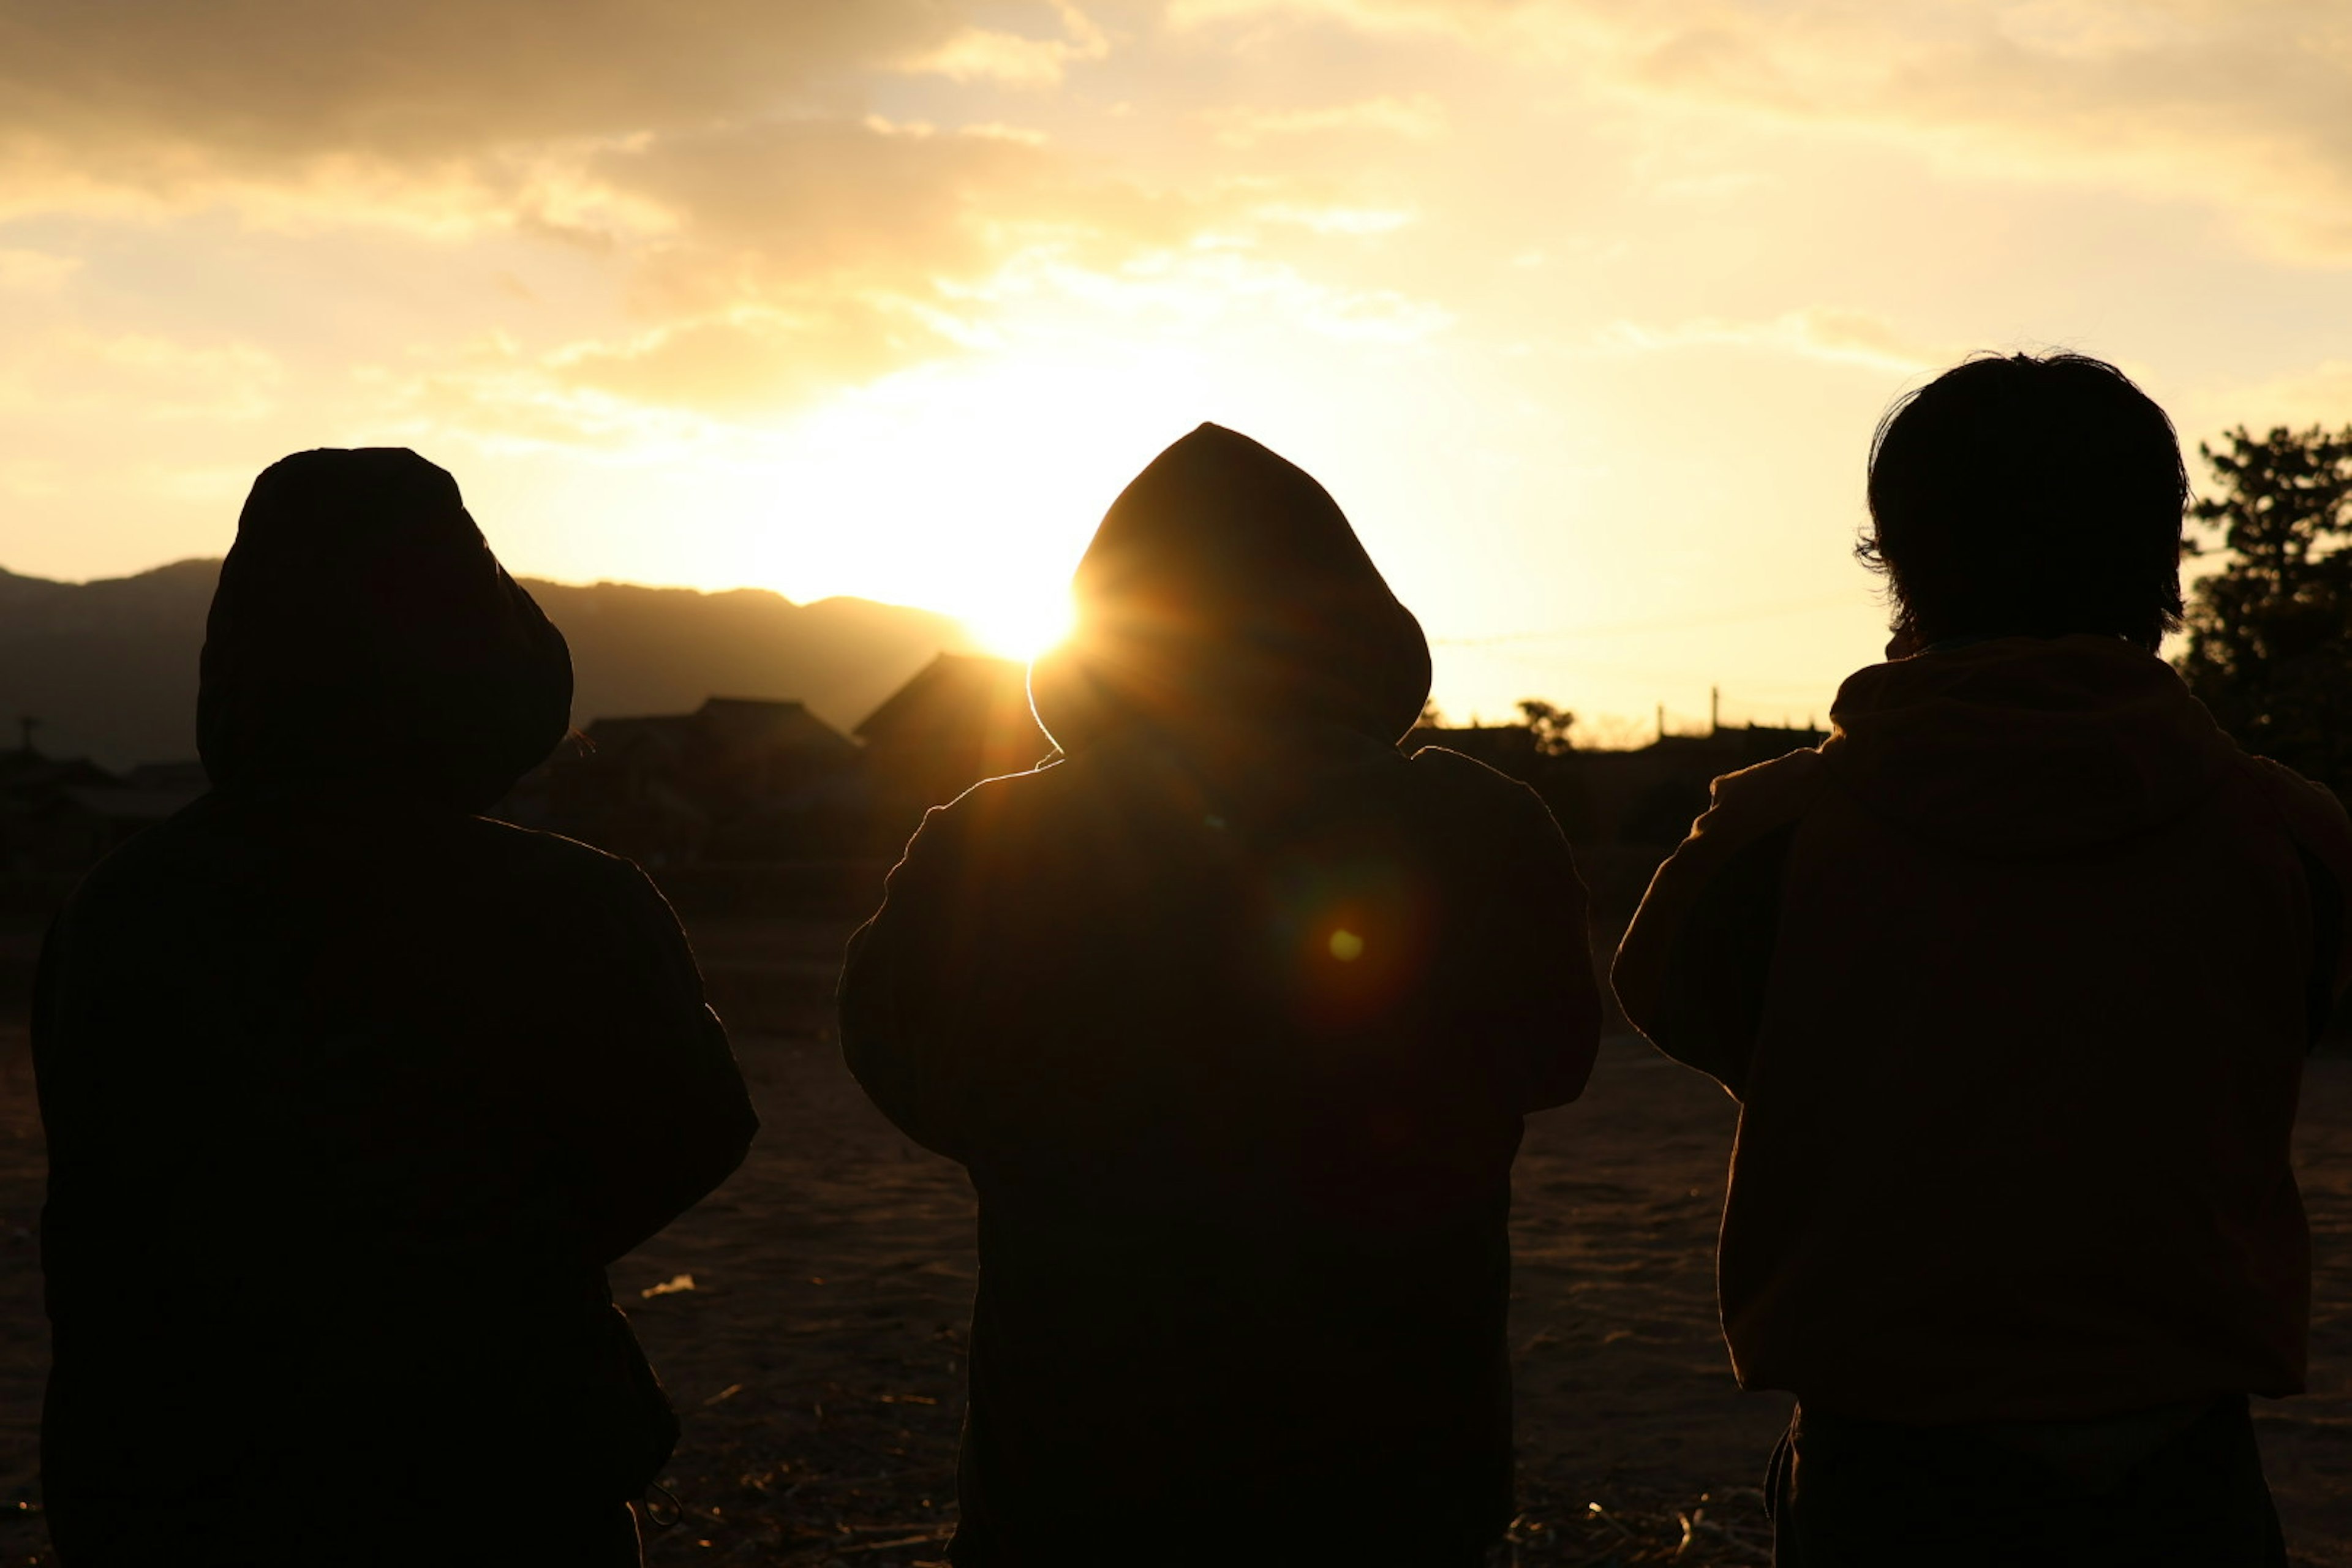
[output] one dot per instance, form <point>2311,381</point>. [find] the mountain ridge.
<point>108,666</point>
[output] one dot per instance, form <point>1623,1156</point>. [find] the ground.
<point>817,1360</point>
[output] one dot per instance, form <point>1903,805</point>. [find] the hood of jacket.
<point>1224,583</point>
<point>2026,747</point>
<point>363,638</point>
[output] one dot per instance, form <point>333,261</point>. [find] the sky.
<point>1585,309</point>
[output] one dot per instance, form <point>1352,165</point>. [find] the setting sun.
<point>1022,624</point>
<point>897,318</point>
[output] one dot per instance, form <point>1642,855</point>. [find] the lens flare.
<point>1347,946</point>
<point>1022,625</point>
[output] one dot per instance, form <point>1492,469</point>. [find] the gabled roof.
<point>954,690</point>
<point>612,736</point>
<point>30,771</point>
<point>769,725</point>
<point>140,806</point>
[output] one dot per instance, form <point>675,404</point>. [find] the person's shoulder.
<point>183,849</point>
<point>1449,773</point>
<point>1509,815</point>
<point>1010,798</point>
<point>128,876</point>
<point>552,864</point>
<point>2309,811</point>
<point>538,848</point>
<point>1449,770</point>
<point>1769,794</point>
<point>1745,807</point>
<point>1009,815</point>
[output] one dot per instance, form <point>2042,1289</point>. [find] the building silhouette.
<point>756,804</point>
<point>961,718</point>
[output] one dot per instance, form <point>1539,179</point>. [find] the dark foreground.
<point>817,1360</point>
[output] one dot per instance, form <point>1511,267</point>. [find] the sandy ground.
<point>816,1361</point>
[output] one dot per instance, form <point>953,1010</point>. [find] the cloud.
<point>770,263</point>
<point>127,375</point>
<point>1356,222</point>
<point>35,272</point>
<point>2321,394</point>
<point>746,210</point>
<point>767,235</point>
<point>1459,17</point>
<point>269,83</point>
<point>1840,337</point>
<point>443,116</point>
<point>795,256</point>
<point>756,359</point>
<point>2248,106</point>
<point>1418,118</point>
<point>1014,60</point>
<point>2243,103</point>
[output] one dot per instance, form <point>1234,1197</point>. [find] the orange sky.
<point>1584,309</point>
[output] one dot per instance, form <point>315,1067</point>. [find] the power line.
<point>1671,623</point>
<point>1553,665</point>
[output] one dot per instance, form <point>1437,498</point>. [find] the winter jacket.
<point>351,1094</point>
<point>1233,1014</point>
<point>2013,978</point>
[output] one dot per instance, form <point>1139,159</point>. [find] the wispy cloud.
<point>138,377</point>
<point>35,272</point>
<point>1844,337</point>
<point>1014,60</point>
<point>1417,118</point>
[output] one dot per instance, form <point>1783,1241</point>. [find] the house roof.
<point>757,722</point>
<point>954,690</point>
<point>612,736</point>
<point>733,725</point>
<point>139,806</point>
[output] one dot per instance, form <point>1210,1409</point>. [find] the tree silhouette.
<point>2269,635</point>
<point>1549,725</point>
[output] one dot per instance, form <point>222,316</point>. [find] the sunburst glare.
<point>1022,623</point>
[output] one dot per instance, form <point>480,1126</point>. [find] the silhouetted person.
<point>1233,1014</point>
<point>2013,978</point>
<point>352,1094</point>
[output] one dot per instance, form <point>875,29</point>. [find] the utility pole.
<point>1714,710</point>
<point>1662,721</point>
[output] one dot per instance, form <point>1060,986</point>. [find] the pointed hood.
<point>2023,748</point>
<point>365,637</point>
<point>1225,583</point>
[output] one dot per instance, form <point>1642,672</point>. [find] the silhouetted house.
<point>738,778</point>
<point>1624,811</point>
<point>59,816</point>
<point>186,780</point>
<point>963,718</point>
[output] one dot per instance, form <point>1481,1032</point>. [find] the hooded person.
<point>351,1094</point>
<point>1233,1011</point>
<point>2013,978</point>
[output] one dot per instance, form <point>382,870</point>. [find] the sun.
<point>1021,625</point>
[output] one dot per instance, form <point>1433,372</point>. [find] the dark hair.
<point>2028,495</point>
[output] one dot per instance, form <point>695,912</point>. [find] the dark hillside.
<point>110,668</point>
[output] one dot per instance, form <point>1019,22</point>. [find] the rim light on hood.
<point>1224,583</point>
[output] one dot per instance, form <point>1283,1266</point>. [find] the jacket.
<point>352,1094</point>
<point>2014,977</point>
<point>1233,1012</point>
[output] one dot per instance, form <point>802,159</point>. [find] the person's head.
<point>2026,495</point>
<point>1226,583</point>
<point>364,639</point>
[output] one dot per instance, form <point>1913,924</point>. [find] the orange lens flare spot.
<point>1347,946</point>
